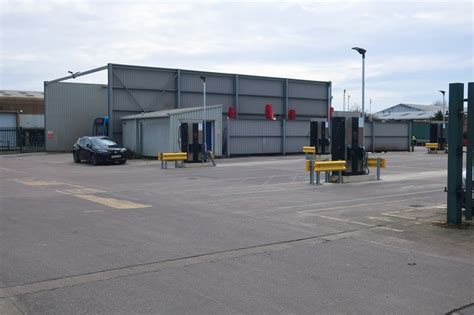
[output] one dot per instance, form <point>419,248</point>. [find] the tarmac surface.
<point>248,236</point>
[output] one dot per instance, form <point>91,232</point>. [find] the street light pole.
<point>348,102</point>
<point>204,151</point>
<point>444,109</point>
<point>362,51</point>
<point>344,101</point>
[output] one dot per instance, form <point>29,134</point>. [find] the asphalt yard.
<point>248,236</point>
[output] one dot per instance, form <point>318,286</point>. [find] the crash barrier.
<point>177,157</point>
<point>309,150</point>
<point>378,163</point>
<point>324,166</point>
<point>432,147</point>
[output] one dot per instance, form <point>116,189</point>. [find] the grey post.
<point>318,178</point>
<point>204,153</point>
<point>311,172</point>
<point>378,168</point>
<point>340,177</point>
<point>228,137</point>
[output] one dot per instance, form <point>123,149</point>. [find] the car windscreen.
<point>104,143</point>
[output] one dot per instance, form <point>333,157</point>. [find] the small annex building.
<point>173,130</point>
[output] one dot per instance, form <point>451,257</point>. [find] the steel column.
<point>456,97</point>
<point>236,95</point>
<point>283,136</point>
<point>110,99</point>
<point>470,149</point>
<point>178,88</point>
<point>373,136</point>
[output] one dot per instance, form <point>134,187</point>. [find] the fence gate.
<point>21,140</point>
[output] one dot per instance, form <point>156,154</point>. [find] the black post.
<point>455,194</point>
<point>470,149</point>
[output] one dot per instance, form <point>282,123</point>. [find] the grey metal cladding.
<point>255,128</point>
<point>295,144</point>
<point>256,104</point>
<point>191,82</point>
<point>312,90</point>
<point>196,99</point>
<point>307,107</point>
<point>297,128</point>
<point>392,129</point>
<point>261,86</point>
<point>144,79</point>
<point>70,112</point>
<point>148,100</point>
<point>255,145</point>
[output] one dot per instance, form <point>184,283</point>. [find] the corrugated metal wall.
<point>148,136</point>
<point>250,136</point>
<point>213,114</point>
<point>388,136</point>
<point>70,109</point>
<point>135,89</point>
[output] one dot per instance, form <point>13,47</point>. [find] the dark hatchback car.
<point>97,150</point>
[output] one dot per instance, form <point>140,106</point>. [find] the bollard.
<point>311,172</point>
<point>318,178</point>
<point>378,168</point>
<point>326,177</point>
<point>339,180</point>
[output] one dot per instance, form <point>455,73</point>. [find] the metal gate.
<point>21,140</point>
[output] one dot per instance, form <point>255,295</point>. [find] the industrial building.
<point>130,90</point>
<point>172,131</point>
<point>23,109</point>
<point>404,111</point>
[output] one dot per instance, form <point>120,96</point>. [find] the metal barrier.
<point>177,157</point>
<point>309,150</point>
<point>432,147</point>
<point>378,163</point>
<point>21,140</point>
<point>324,166</point>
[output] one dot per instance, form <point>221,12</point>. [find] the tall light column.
<point>444,110</point>
<point>204,151</point>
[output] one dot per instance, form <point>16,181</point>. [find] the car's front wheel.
<point>76,157</point>
<point>94,159</point>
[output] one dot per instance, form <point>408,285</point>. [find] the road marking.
<point>389,228</point>
<point>10,170</point>
<point>354,206</point>
<point>361,199</point>
<point>112,202</point>
<point>32,182</point>
<point>379,218</point>
<point>344,220</point>
<point>80,191</point>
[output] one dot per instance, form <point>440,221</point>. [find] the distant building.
<point>21,109</point>
<point>408,112</point>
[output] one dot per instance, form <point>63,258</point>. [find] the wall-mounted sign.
<point>50,135</point>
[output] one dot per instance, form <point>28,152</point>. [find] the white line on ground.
<point>344,220</point>
<point>360,199</point>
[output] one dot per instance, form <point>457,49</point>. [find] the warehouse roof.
<point>168,112</point>
<point>413,115</point>
<point>25,94</point>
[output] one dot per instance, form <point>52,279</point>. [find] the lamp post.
<point>444,108</point>
<point>344,101</point>
<point>362,51</point>
<point>204,151</point>
<point>348,102</point>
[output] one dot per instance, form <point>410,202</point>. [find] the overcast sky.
<point>414,48</point>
